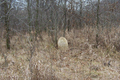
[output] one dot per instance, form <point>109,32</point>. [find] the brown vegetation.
<point>83,61</point>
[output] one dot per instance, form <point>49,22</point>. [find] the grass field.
<point>83,61</point>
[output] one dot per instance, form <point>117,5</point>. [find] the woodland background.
<point>29,30</point>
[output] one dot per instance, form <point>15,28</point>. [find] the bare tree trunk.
<point>37,29</point>
<point>56,34</point>
<point>36,21</point>
<point>65,18</point>
<point>7,25</point>
<point>68,25</point>
<point>97,34</point>
<point>80,13</point>
<point>56,28</point>
<point>29,19</point>
<point>29,14</point>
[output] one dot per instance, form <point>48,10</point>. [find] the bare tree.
<point>29,13</point>
<point>81,13</point>
<point>36,18</point>
<point>37,28</point>
<point>65,16</point>
<point>97,34</point>
<point>7,7</point>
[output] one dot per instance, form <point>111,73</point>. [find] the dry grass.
<point>83,61</point>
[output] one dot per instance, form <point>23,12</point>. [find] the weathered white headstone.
<point>62,43</point>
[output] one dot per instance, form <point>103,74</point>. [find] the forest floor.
<point>82,61</point>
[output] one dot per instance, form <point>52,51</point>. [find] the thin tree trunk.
<point>80,13</point>
<point>7,25</point>
<point>65,19</point>
<point>29,14</point>
<point>97,34</point>
<point>68,25</point>
<point>36,22</point>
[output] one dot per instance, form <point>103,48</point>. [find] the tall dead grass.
<point>83,61</point>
